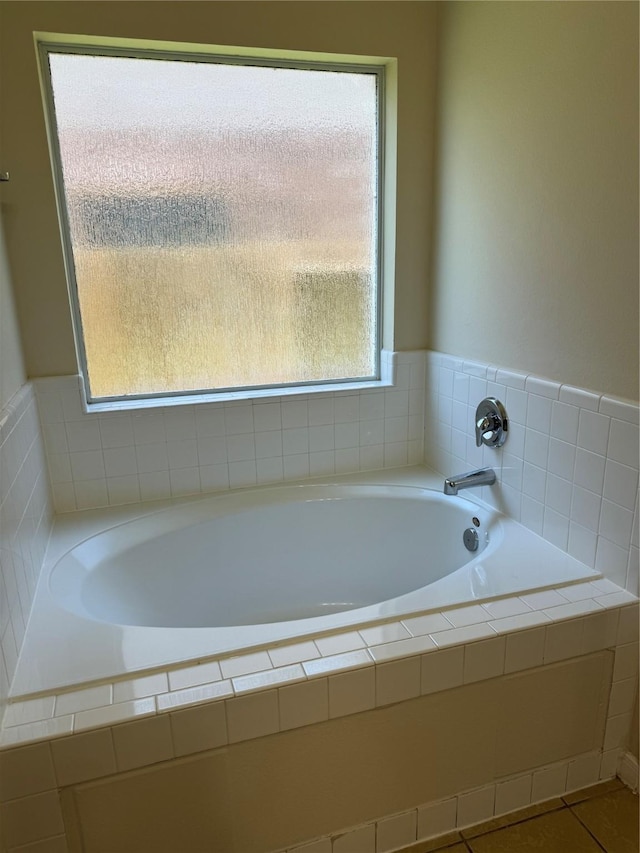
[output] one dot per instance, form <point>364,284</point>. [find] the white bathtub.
<point>139,588</point>
<point>279,555</point>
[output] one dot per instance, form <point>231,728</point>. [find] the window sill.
<point>387,380</point>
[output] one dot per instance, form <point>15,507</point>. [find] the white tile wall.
<point>476,806</point>
<point>122,457</point>
<point>396,831</point>
<point>568,470</point>
<point>360,840</point>
<point>437,818</point>
<point>26,515</point>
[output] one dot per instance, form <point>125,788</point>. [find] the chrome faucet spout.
<point>481,477</point>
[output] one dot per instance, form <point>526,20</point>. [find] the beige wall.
<point>537,201</point>
<point>12,375</point>
<point>403,30</point>
<point>537,232</point>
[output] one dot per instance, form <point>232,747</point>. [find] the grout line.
<point>577,817</point>
<point>516,821</point>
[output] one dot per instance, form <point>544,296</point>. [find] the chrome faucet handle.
<point>491,423</point>
<point>485,428</point>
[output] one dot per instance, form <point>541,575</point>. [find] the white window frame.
<point>385,70</point>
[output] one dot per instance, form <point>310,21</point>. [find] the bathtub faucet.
<point>481,477</point>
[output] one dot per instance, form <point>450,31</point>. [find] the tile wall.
<point>26,515</point>
<point>195,718</point>
<point>568,470</point>
<point>150,454</point>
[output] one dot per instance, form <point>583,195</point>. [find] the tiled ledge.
<point>237,698</point>
<point>92,733</point>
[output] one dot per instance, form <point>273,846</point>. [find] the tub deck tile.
<point>580,591</point>
<point>545,598</point>
<point>34,732</point>
<point>193,676</point>
<point>616,599</point>
<point>505,607</point>
<point>83,700</point>
<point>105,716</point>
<point>575,608</point>
<point>294,653</point>
<point>432,622</point>
<point>380,634</point>
<point>245,664</point>
<point>472,614</point>
<point>561,630</point>
<point>268,678</point>
<point>30,711</point>
<point>520,622</point>
<point>338,663</point>
<point>402,648</point>
<point>459,636</point>
<point>194,695</point>
<point>139,688</point>
<point>337,644</point>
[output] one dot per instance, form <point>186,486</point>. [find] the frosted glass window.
<point>221,221</point>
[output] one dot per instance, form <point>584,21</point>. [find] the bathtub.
<point>154,586</point>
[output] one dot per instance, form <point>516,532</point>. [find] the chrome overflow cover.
<point>470,538</point>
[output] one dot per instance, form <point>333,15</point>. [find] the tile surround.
<point>115,457</point>
<point>26,518</point>
<point>570,474</point>
<point>568,470</point>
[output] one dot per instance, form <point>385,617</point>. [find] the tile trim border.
<point>604,619</point>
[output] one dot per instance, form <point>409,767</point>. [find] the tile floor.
<point>603,817</point>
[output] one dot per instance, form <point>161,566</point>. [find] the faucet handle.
<point>491,423</point>
<point>485,428</point>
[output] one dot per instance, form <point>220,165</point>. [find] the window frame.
<point>383,68</point>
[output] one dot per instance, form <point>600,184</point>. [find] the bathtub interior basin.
<point>282,554</point>
<point>129,590</point>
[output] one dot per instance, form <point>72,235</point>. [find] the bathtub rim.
<point>78,526</point>
<point>608,604</point>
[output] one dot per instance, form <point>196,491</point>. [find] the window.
<point>220,217</point>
